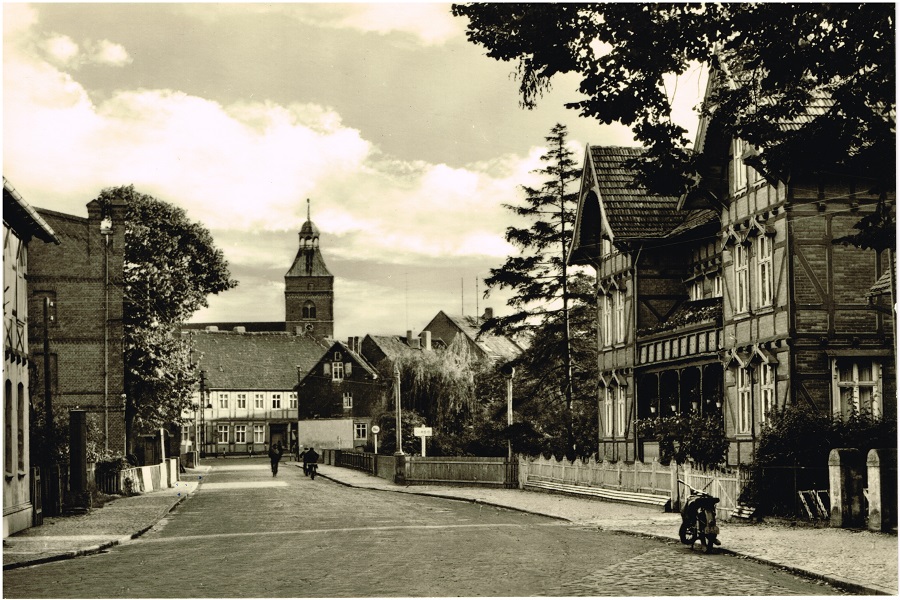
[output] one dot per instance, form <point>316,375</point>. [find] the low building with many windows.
<point>248,397</point>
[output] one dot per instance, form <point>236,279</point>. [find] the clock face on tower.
<point>310,326</point>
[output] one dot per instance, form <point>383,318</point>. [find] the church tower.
<point>309,288</point>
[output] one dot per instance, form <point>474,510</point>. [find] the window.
<point>276,401</point>
<point>738,171</point>
<point>309,310</point>
<point>259,434</point>
<point>620,410</point>
<point>858,387</point>
<point>20,419</point>
<point>741,279</point>
<point>360,431</point>
<point>242,400</point>
<point>620,316</point>
<point>337,371</point>
<point>717,286</point>
<point>608,406</point>
<point>223,400</point>
<point>223,434</point>
<point>348,399</point>
<point>8,417</point>
<point>292,397</point>
<point>606,320</point>
<point>697,289</point>
<point>240,434</point>
<point>745,406</point>
<point>764,263</point>
<point>605,248</point>
<point>259,400</point>
<point>767,390</point>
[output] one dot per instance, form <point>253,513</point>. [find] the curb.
<point>844,585</point>
<point>94,549</point>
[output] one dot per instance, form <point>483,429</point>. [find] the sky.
<point>407,140</point>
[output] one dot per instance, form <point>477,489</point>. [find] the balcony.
<point>694,329</point>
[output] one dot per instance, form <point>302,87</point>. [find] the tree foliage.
<point>171,266</point>
<point>778,58</point>
<point>682,438</point>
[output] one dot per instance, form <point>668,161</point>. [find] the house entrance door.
<point>278,434</point>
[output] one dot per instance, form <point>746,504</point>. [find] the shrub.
<point>682,438</point>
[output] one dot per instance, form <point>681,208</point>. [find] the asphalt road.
<point>245,533</point>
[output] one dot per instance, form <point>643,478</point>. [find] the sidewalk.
<point>859,561</point>
<point>116,522</point>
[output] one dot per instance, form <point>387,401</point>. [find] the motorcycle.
<point>698,520</point>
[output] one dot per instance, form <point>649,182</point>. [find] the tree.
<point>781,57</point>
<point>539,274</point>
<point>171,265</point>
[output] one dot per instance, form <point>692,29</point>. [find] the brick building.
<point>82,277</point>
<point>732,300</point>
<point>22,226</point>
<point>309,288</point>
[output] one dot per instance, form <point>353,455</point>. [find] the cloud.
<point>108,53</point>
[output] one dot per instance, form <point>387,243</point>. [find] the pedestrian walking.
<point>275,453</point>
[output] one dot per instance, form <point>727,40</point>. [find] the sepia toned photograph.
<point>421,300</point>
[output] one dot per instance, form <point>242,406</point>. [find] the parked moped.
<point>698,520</point>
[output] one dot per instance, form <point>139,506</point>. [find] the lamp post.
<point>202,439</point>
<point>510,372</point>
<point>105,230</point>
<point>397,405</point>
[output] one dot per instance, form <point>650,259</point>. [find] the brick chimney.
<point>425,336</point>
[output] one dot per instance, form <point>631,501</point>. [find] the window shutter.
<point>348,369</point>
<point>327,369</point>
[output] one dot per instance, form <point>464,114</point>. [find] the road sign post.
<point>375,431</point>
<point>422,432</point>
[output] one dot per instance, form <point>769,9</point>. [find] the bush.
<point>695,438</point>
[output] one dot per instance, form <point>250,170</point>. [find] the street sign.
<point>376,429</point>
<point>422,431</point>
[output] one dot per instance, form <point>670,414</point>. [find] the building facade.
<point>733,300</point>
<point>81,280</point>
<point>248,394</point>
<point>444,329</point>
<point>22,225</point>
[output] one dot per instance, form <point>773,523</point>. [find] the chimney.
<point>357,345</point>
<point>240,329</point>
<point>426,340</point>
<point>212,328</point>
<point>350,344</point>
<point>488,313</point>
<point>298,330</point>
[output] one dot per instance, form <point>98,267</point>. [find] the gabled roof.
<point>253,361</point>
<point>496,347</point>
<point>344,349</point>
<point>23,218</point>
<point>392,346</point>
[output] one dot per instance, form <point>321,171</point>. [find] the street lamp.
<point>106,228</point>
<point>510,372</point>
<point>202,439</point>
<point>397,404</point>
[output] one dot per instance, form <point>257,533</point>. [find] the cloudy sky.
<point>406,138</point>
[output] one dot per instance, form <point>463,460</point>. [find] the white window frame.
<point>222,434</point>
<point>242,400</point>
<point>259,434</point>
<point>854,384</point>
<point>240,434</point>
<point>620,316</point>
<point>738,168</point>
<point>605,247</point>
<point>696,290</point>
<point>741,278</point>
<point>608,412</point>
<point>348,400</point>
<point>337,371</point>
<point>292,399</point>
<point>360,431</point>
<point>276,401</point>
<point>223,399</point>
<point>766,391</point>
<point>259,400</point>
<point>620,410</point>
<point>606,320</point>
<point>744,384</point>
<point>765,252</point>
<point>718,290</point>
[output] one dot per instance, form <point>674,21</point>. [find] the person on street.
<point>312,459</point>
<point>275,456</point>
<point>305,462</point>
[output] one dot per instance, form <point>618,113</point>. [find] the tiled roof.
<point>632,212</point>
<point>391,345</point>
<point>495,346</point>
<point>23,217</point>
<point>253,326</point>
<point>253,361</point>
<point>882,286</point>
<point>308,263</point>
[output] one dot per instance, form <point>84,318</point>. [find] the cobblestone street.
<point>247,534</point>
